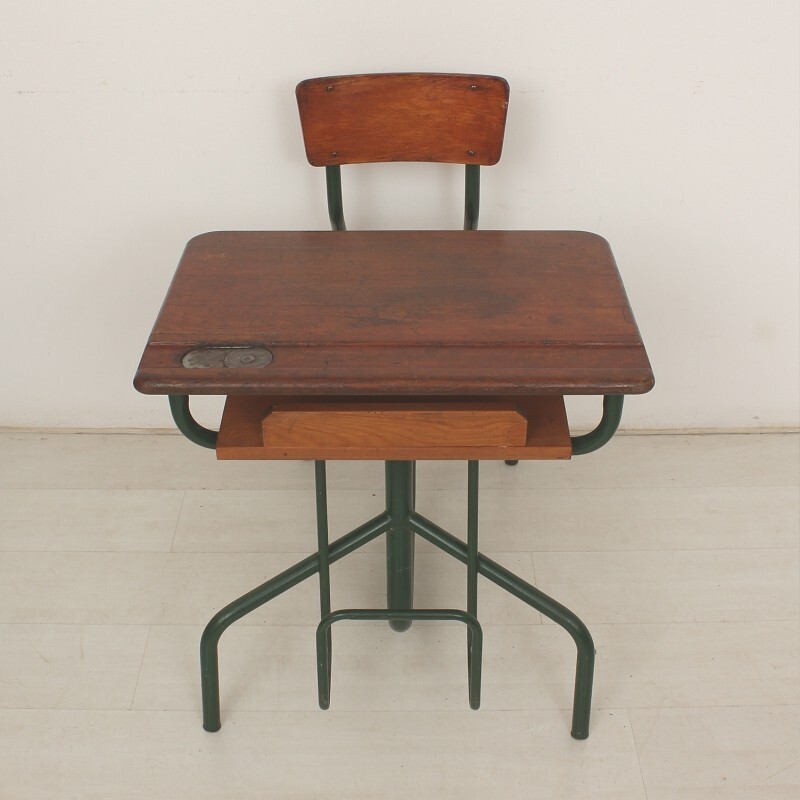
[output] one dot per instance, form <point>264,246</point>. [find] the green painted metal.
<point>472,560</point>
<point>400,516</point>
<point>400,541</point>
<point>606,428</point>
<point>333,185</point>
<point>321,485</point>
<point>472,537</point>
<point>209,656</point>
<point>474,638</point>
<point>472,196</point>
<point>322,538</point>
<point>584,671</point>
<point>187,425</point>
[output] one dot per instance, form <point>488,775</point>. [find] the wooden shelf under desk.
<point>398,429</point>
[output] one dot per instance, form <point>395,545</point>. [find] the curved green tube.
<point>594,440</point>
<point>187,425</point>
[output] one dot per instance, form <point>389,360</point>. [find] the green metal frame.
<point>607,427</point>
<point>401,523</point>
<point>333,185</point>
<point>187,425</point>
<point>472,194</point>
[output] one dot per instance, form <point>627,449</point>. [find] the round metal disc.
<point>231,357</point>
<point>248,357</point>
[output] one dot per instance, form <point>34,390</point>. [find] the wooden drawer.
<point>413,428</point>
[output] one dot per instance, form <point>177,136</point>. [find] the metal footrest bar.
<point>209,657</point>
<point>584,670</point>
<point>474,643</point>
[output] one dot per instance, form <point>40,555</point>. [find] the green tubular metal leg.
<point>606,428</point>
<point>400,495</point>
<point>187,425</point>
<point>474,643</point>
<point>399,542</point>
<point>541,602</point>
<point>209,667</point>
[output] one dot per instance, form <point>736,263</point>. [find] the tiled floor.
<point>680,552</point>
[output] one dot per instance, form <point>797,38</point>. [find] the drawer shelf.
<point>256,427</point>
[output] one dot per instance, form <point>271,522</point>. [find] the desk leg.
<point>400,496</point>
<point>209,642</point>
<point>505,579</point>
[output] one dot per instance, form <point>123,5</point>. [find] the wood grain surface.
<point>388,312</point>
<point>356,119</point>
<point>244,436</point>
<point>348,424</point>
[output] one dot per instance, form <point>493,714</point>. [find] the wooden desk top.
<point>399,312</point>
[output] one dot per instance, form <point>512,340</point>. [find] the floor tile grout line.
<point>490,553</point>
<point>177,523</point>
<point>396,711</point>
<point>141,667</point>
<point>636,750</point>
<point>484,624</point>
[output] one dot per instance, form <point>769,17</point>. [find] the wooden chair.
<point>364,119</point>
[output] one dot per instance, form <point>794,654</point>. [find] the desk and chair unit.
<point>397,346</point>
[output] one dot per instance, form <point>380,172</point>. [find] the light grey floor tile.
<point>696,664</point>
<point>166,461</point>
<point>187,588</point>
<point>659,666</point>
<point>135,461</point>
<point>374,669</point>
<point>70,666</point>
<point>88,519</point>
<point>343,755</point>
<point>662,461</point>
<point>674,518</point>
<point>719,753</point>
<point>680,552</point>
<point>674,586</point>
<point>277,521</point>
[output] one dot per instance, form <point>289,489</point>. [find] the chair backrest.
<point>359,119</point>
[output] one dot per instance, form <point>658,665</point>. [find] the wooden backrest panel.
<point>359,119</point>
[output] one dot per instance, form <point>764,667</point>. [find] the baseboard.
<point>53,431</point>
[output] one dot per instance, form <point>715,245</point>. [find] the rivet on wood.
<point>470,152</point>
<point>474,87</point>
<point>334,154</point>
<point>329,88</point>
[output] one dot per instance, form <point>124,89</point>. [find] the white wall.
<point>671,128</point>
